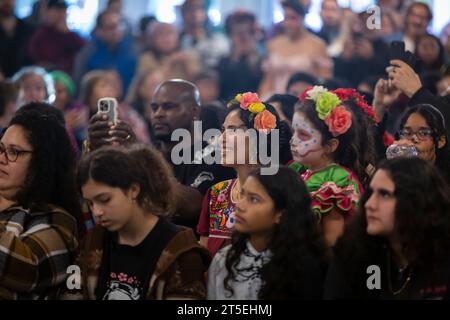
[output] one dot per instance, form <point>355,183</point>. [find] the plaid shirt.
<point>36,247</point>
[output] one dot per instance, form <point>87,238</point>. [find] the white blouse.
<point>248,276</point>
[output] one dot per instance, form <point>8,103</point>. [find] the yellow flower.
<point>256,107</point>
<point>325,103</point>
<point>238,97</point>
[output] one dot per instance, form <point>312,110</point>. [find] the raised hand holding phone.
<point>105,129</point>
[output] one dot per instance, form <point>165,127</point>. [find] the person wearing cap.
<point>54,46</point>
<point>295,50</point>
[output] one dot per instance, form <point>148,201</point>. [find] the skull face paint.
<point>306,143</point>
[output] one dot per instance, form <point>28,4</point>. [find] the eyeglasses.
<point>12,154</point>
<point>422,134</point>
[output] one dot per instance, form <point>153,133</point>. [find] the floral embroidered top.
<point>217,216</point>
<point>333,187</point>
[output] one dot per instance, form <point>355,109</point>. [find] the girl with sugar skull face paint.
<point>306,142</point>
<point>325,147</point>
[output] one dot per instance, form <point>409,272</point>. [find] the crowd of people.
<point>357,133</point>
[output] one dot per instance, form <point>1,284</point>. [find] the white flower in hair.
<point>316,92</point>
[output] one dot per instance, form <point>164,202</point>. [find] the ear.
<point>442,142</point>
<point>134,191</point>
<point>277,217</point>
<point>331,145</point>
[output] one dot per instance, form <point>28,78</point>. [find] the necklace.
<point>401,271</point>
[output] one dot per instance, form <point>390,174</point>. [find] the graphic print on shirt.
<point>123,287</point>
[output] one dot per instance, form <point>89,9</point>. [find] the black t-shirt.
<point>200,175</point>
<point>413,283</point>
<point>125,271</point>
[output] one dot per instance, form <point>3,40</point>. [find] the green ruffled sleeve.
<point>297,167</point>
<point>334,188</point>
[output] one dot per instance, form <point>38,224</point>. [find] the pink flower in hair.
<point>248,98</point>
<point>339,121</point>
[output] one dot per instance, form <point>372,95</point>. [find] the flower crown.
<point>263,120</point>
<point>351,94</point>
<point>329,109</point>
<point>345,94</point>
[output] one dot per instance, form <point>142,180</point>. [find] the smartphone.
<point>397,50</point>
<point>108,106</point>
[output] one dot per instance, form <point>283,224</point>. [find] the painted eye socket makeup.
<point>306,138</point>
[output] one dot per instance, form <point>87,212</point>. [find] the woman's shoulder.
<point>315,40</point>
<point>39,214</point>
<point>222,253</point>
<point>218,262</point>
<point>184,243</point>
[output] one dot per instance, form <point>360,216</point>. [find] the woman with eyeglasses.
<point>398,246</point>
<point>38,204</point>
<point>423,126</point>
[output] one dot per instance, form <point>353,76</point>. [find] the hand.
<point>179,57</point>
<point>385,95</point>
<point>404,78</point>
<point>77,118</point>
<point>364,49</point>
<point>348,50</point>
<point>101,132</point>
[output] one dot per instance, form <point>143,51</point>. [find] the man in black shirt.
<point>176,105</point>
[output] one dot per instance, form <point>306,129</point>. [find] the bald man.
<point>176,105</point>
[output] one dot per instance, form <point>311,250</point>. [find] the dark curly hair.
<point>143,165</point>
<point>297,267</point>
<point>356,146</point>
<point>51,174</point>
<point>422,223</point>
<point>285,132</point>
<point>240,17</point>
<point>436,122</point>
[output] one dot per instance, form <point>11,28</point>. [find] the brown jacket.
<point>179,272</point>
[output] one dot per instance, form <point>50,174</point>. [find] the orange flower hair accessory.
<point>263,120</point>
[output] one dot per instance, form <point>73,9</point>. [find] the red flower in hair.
<point>345,94</point>
<point>304,95</point>
<point>339,121</point>
<point>369,110</point>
